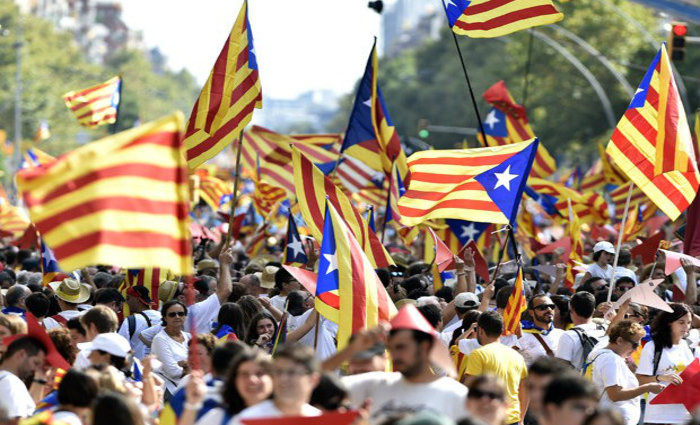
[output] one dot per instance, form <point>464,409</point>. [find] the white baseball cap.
<point>604,246</point>
<point>111,343</point>
<point>466,300</point>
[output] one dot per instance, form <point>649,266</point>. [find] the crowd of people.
<point>242,340</point>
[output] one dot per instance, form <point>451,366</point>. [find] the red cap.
<point>38,333</point>
<point>410,318</point>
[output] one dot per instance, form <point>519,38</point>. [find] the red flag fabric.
<point>691,241</point>
<point>307,278</point>
<point>687,393</point>
<point>647,249</point>
<point>564,243</point>
<point>480,265</point>
<point>444,258</point>
<point>328,418</point>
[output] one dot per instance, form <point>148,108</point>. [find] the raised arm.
<point>224,287</point>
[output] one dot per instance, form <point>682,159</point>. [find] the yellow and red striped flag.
<point>507,123</point>
<point>12,220</point>
<point>652,143</point>
<point>483,185</point>
<point>612,173</point>
<point>266,196</point>
<point>347,288</point>
<point>494,18</point>
<point>150,278</point>
<point>619,197</point>
<point>122,200</point>
<point>213,190</point>
<point>594,177</point>
<point>576,255</point>
<point>96,105</point>
<point>225,105</point>
<point>515,307</point>
<point>312,188</point>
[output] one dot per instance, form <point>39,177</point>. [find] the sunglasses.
<point>625,288</point>
<point>177,313</point>
<point>543,307</point>
<point>477,393</point>
<point>397,274</point>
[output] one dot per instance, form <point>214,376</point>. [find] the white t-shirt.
<point>278,302</point>
<point>50,323</point>
<point>15,401</point>
<point>265,409</point>
<point>570,348</point>
<point>466,346</point>
<point>140,324</point>
<point>531,349</point>
<point>673,360</point>
<point>328,331</point>
<point>70,418</point>
<point>392,394</point>
<point>169,352</point>
<point>610,369</point>
<point>447,331</point>
<point>204,313</point>
<point>596,271</point>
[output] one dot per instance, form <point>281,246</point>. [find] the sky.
<point>300,45</point>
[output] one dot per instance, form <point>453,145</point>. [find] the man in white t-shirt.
<point>603,253</point>
<point>142,317</point>
<point>295,374</point>
<point>24,356</point>
<point>413,386</point>
<point>539,337</point>
<point>576,343</point>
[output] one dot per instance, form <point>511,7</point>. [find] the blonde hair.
<point>14,323</point>
<point>626,329</point>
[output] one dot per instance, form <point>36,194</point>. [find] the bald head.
<point>16,295</point>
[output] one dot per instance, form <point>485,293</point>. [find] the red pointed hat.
<point>37,332</point>
<point>410,318</point>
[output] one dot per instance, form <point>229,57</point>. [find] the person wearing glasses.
<point>568,399</point>
<point>295,373</point>
<point>617,384</point>
<point>170,345</point>
<point>539,337</point>
<point>487,400</point>
<point>622,285</point>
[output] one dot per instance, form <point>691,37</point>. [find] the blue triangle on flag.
<point>466,231</point>
<point>505,182</point>
<point>328,264</point>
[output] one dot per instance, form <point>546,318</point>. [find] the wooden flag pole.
<point>466,77</point>
<point>619,240</point>
<point>504,246</point>
<point>234,197</point>
<point>527,67</point>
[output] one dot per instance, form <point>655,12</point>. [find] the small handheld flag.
<point>294,252</point>
<point>96,105</point>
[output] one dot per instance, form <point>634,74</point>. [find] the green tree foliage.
<point>427,82</point>
<point>53,64</point>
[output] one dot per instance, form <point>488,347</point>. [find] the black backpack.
<point>587,343</point>
<point>131,322</point>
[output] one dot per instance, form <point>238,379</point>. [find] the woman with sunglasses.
<point>486,400</point>
<point>170,345</point>
<point>618,385</point>
<point>664,358</point>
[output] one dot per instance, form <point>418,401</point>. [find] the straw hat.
<point>167,290</point>
<point>71,291</point>
<point>267,277</point>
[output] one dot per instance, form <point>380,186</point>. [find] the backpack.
<point>587,343</point>
<point>131,322</point>
<point>658,350</point>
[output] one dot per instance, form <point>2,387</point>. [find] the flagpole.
<point>504,245</point>
<point>619,240</point>
<point>234,197</point>
<point>119,106</point>
<point>466,76</point>
<point>388,200</point>
<point>527,67</point>
<point>189,298</point>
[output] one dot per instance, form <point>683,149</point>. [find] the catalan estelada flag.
<point>494,18</point>
<point>483,184</point>
<point>507,123</point>
<point>466,231</point>
<point>225,105</point>
<point>150,278</point>
<point>49,265</point>
<point>294,253</point>
<point>370,126</point>
<point>312,188</point>
<point>88,211</point>
<point>213,190</point>
<point>348,291</point>
<point>652,143</point>
<point>34,157</point>
<point>515,307</point>
<point>96,105</point>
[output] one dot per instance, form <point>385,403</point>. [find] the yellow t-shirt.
<point>505,363</point>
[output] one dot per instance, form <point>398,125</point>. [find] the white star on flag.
<point>504,179</point>
<point>468,231</point>
<point>332,262</point>
<point>491,119</point>
<point>451,3</point>
<point>368,102</point>
<point>295,246</point>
